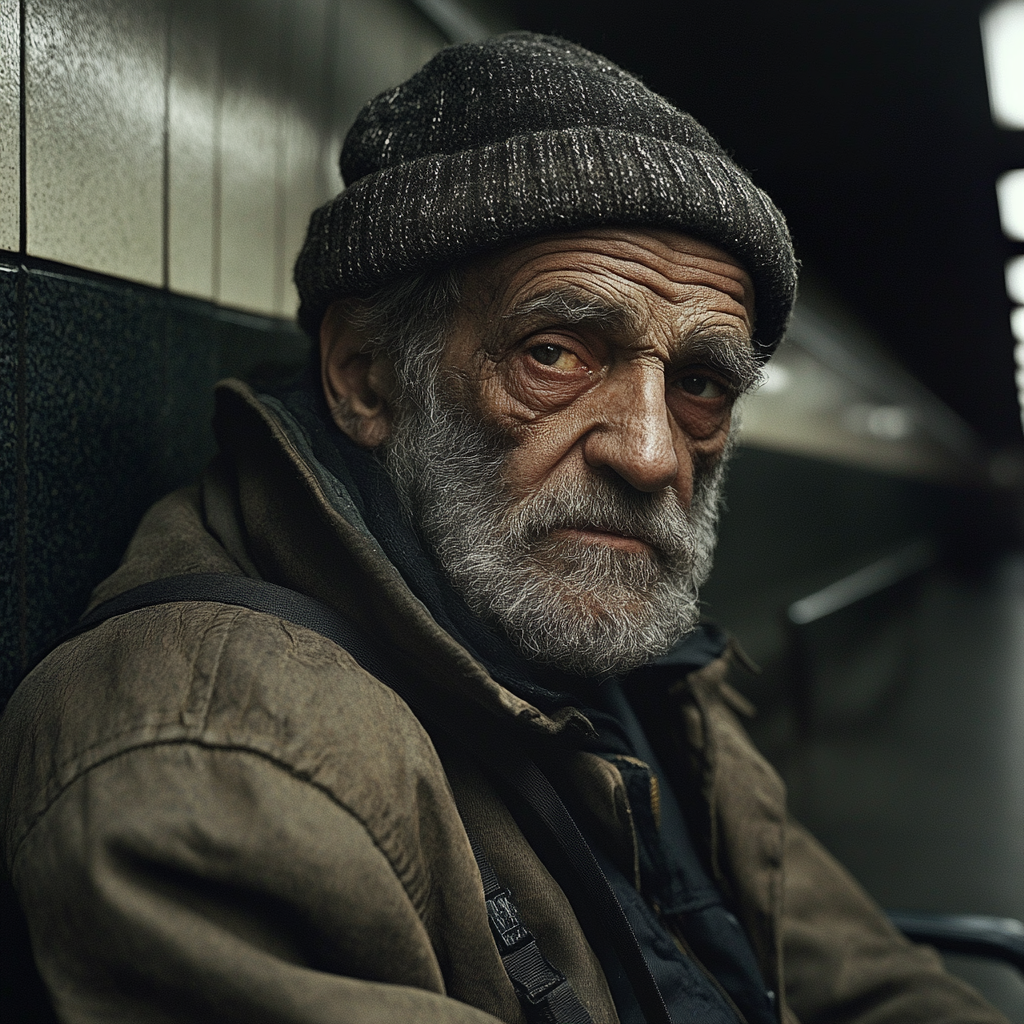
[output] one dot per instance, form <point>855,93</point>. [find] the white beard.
<point>588,609</point>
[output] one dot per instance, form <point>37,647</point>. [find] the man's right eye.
<point>556,356</point>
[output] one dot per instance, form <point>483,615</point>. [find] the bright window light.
<point>1017,323</point>
<point>1015,279</point>
<point>1010,190</point>
<point>1002,36</point>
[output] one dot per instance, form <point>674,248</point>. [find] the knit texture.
<point>520,136</point>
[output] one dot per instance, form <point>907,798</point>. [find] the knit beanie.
<point>520,136</point>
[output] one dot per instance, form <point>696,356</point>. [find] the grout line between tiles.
<point>165,211</point>
<point>22,136</point>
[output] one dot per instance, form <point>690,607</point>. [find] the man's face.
<point>566,475</point>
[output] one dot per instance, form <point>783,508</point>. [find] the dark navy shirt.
<point>679,896</point>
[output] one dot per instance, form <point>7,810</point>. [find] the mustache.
<point>600,503</point>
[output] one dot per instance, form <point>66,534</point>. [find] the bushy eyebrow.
<point>724,353</point>
<point>570,305</point>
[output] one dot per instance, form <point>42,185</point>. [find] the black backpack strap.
<point>508,762</point>
<point>222,588</point>
<point>544,992</point>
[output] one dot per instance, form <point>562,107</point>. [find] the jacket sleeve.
<point>179,882</point>
<point>844,962</point>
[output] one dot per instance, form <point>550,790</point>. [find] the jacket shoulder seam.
<point>239,748</point>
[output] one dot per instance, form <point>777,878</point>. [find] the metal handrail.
<point>999,938</point>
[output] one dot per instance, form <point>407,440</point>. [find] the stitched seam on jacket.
<point>191,730</point>
<point>238,748</point>
<point>195,725</point>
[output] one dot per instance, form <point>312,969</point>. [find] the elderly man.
<point>498,772</point>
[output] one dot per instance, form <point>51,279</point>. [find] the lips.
<point>599,535</point>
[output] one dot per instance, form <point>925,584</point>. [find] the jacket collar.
<point>304,529</point>
<point>352,483</point>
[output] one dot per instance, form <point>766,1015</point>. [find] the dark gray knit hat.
<point>524,135</point>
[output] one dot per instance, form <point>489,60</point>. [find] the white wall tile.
<point>250,147</point>
<point>193,224</point>
<point>10,125</point>
<point>293,78</point>
<point>95,104</point>
<point>372,45</point>
<point>259,95</point>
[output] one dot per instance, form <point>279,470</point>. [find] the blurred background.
<point>158,163</point>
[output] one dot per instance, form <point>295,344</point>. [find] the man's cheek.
<point>539,458</point>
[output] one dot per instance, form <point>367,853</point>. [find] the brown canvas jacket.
<point>210,814</point>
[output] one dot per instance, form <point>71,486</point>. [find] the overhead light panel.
<point>1010,190</point>
<point>1017,327</point>
<point>1002,35</point>
<point>1002,38</point>
<point>1015,279</point>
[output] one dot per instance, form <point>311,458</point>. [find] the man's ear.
<point>353,381</point>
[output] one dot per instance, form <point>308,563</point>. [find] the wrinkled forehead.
<point>665,265</point>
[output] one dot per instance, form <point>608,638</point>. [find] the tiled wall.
<point>185,142</point>
<point>10,123</point>
<point>11,523</point>
<point>173,150</point>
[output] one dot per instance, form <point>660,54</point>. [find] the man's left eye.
<point>556,356</point>
<point>702,387</point>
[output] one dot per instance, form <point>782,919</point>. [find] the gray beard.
<point>585,608</point>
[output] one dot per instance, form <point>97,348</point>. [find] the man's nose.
<point>633,435</point>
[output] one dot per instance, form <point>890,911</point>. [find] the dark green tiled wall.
<point>117,398</point>
<point>10,617</point>
<point>93,379</point>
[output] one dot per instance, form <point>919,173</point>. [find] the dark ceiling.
<point>868,123</point>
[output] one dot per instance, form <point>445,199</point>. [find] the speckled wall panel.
<point>10,617</point>
<point>250,155</point>
<point>94,387</point>
<point>191,364</point>
<point>95,98</point>
<point>193,129</point>
<point>10,124</point>
<point>119,396</point>
<point>310,179</point>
